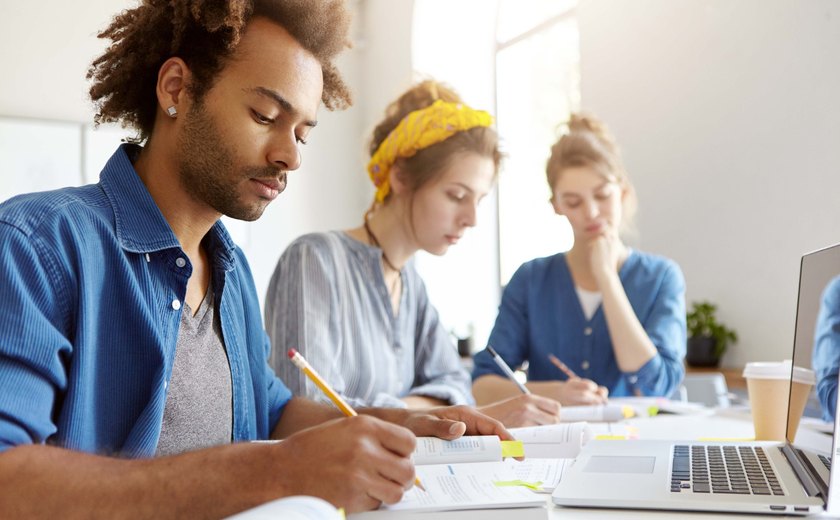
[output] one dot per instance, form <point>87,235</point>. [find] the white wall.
<point>729,118</point>
<point>45,50</point>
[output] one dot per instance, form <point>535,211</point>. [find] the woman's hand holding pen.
<point>579,390</point>
<point>524,410</point>
<point>572,392</point>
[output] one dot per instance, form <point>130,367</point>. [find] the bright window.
<point>520,61</point>
<point>538,85</point>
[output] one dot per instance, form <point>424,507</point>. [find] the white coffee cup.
<point>768,384</point>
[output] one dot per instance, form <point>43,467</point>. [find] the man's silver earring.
<point>172,111</point>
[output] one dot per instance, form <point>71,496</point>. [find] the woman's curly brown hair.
<point>203,33</point>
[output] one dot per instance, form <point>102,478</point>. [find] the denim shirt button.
<point>587,331</point>
<point>633,379</point>
<point>180,262</point>
<point>176,304</point>
<point>585,365</point>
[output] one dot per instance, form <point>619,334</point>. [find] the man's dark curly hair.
<point>204,33</point>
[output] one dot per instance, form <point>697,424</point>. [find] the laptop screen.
<point>816,343</point>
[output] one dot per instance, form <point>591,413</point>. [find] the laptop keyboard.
<point>826,461</point>
<point>739,470</point>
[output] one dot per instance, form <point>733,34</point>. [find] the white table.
<point>733,424</point>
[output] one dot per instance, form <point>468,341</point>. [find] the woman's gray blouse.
<point>328,299</point>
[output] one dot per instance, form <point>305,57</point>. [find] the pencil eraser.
<point>292,353</point>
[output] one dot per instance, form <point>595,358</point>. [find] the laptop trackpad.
<point>619,464</point>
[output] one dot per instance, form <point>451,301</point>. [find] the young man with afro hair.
<point>132,355</point>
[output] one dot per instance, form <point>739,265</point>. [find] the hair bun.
<point>581,122</point>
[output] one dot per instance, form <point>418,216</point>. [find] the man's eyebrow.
<point>283,102</point>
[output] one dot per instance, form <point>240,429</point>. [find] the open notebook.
<point>471,473</point>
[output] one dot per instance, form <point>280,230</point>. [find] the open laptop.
<point>670,475</point>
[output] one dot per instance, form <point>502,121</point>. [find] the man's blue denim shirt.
<point>91,293</point>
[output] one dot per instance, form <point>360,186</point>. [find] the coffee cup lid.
<point>804,376</point>
<point>779,370</point>
<point>768,370</point>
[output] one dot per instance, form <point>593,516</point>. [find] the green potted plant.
<point>708,339</point>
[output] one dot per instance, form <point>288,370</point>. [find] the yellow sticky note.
<point>535,486</point>
<point>610,437</point>
<point>341,512</point>
<point>627,411</point>
<point>512,449</point>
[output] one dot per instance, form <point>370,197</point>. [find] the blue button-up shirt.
<point>91,285</point>
<point>826,356</point>
<point>540,314</point>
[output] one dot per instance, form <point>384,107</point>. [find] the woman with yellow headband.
<point>352,302</point>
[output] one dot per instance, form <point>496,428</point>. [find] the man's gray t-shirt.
<point>199,410</point>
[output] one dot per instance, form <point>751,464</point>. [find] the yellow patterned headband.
<point>418,130</point>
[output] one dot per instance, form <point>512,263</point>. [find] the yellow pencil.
<point>302,364</point>
<point>342,405</point>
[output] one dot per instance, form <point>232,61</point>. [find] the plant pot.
<point>700,352</point>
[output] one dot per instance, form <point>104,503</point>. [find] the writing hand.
<point>572,392</point>
<point>524,410</point>
<point>356,463</point>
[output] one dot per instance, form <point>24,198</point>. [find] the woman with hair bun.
<point>602,319</point>
<point>352,302</point>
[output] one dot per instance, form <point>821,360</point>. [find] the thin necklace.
<point>375,242</point>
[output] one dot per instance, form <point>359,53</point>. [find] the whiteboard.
<point>98,146</point>
<point>38,155</point>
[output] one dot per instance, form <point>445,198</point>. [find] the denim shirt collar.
<point>140,226</point>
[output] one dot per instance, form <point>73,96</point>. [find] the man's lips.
<point>271,187</point>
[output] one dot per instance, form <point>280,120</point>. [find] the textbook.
<point>478,472</point>
<point>550,441</point>
<point>470,486</point>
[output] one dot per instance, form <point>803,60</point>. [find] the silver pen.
<point>506,369</point>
